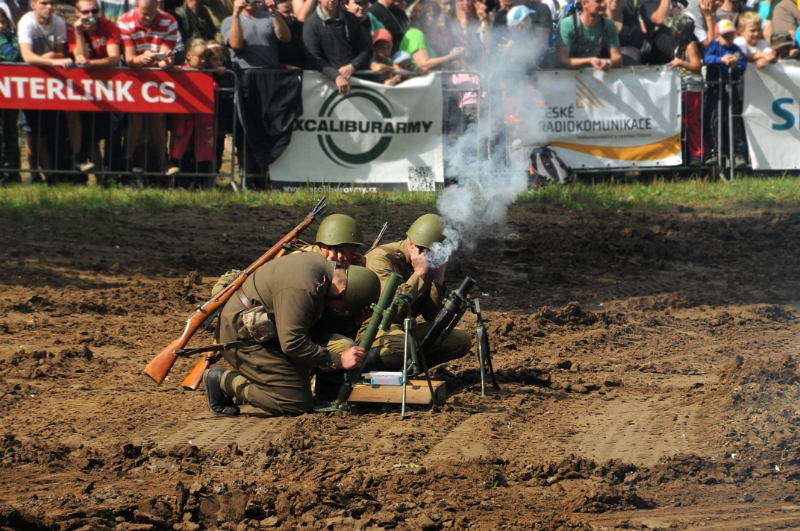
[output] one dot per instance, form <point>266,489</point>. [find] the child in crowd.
<point>196,129</point>
<point>382,55</point>
<point>783,46</point>
<point>726,60</point>
<point>687,61</point>
<point>9,134</point>
<point>215,61</point>
<point>755,48</point>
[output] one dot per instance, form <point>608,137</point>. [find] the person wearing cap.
<point>530,16</point>
<point>783,45</point>
<point>424,16</point>
<point>786,17</point>
<point>583,37</point>
<point>725,60</point>
<point>425,284</point>
<point>274,349</point>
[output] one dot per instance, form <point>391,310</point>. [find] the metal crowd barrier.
<point>472,108</point>
<point>49,138</point>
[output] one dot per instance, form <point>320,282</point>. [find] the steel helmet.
<point>427,230</point>
<point>517,15</point>
<point>363,288</point>
<point>337,229</point>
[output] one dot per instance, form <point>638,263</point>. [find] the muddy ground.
<point>648,364</point>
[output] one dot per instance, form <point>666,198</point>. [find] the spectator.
<point>471,27</point>
<point>194,129</point>
<point>653,13</point>
<point>292,53</point>
<point>731,10</point>
<point>337,43</point>
<point>384,64</point>
<point>441,37</point>
<point>253,35</point>
<point>727,61</point>
<point>588,38</point>
<point>367,19</point>
<point>94,42</point>
<point>9,133</point>
<point>783,45</point>
<point>149,37</point>
<point>424,15</point>
<point>540,20</point>
<point>12,11</point>
<point>786,17</point>
<point>755,48</point>
<point>702,12</point>
<point>194,22</point>
<point>393,18</point>
<point>687,61</point>
<point>630,28</point>
<point>42,42</point>
<point>225,109</point>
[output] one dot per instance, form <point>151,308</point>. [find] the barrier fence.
<point>114,125</point>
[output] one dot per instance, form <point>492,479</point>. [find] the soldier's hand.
<point>358,259</point>
<point>353,358</point>
<point>418,260</point>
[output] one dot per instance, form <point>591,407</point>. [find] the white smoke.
<point>486,185</point>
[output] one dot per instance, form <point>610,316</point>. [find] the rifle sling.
<point>217,347</point>
<point>244,299</point>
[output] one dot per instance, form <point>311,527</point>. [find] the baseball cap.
<point>381,34</point>
<point>725,26</point>
<point>401,56</point>
<point>780,39</point>
<point>682,24</point>
<point>517,15</point>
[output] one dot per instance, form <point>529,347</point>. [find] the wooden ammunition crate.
<point>417,392</point>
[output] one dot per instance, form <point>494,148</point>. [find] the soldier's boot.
<point>328,385</point>
<point>218,402</point>
<point>373,361</point>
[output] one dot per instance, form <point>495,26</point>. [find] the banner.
<point>771,110</point>
<point>94,89</point>
<point>627,117</point>
<point>374,137</point>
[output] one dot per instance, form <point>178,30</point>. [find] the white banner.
<point>771,97</point>
<point>627,117</point>
<point>374,137</point>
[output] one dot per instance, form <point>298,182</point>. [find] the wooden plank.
<point>417,392</point>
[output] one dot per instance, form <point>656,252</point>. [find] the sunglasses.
<point>90,11</point>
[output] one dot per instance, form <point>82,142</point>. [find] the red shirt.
<point>163,31</point>
<point>105,34</point>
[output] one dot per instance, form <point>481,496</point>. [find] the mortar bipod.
<point>413,360</point>
<point>484,350</point>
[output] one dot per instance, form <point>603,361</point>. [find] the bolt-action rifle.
<point>159,367</point>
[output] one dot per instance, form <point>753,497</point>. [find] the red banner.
<point>91,89</point>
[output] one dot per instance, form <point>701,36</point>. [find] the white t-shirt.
<point>42,38</point>
<point>761,46</point>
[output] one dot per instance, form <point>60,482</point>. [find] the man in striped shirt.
<point>149,36</point>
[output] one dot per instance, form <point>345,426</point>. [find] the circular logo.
<point>340,156</point>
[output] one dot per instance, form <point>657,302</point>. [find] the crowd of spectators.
<point>386,41</point>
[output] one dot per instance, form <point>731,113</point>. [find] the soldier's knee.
<point>461,341</point>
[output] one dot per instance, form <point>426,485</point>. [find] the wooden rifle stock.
<point>192,382</point>
<point>159,366</point>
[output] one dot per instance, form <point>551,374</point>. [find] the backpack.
<point>547,168</point>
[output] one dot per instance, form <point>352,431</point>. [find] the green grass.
<point>749,192</point>
<point>746,192</point>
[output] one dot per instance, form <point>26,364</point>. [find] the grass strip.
<point>19,201</point>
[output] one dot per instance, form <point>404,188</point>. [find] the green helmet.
<point>363,288</point>
<point>427,230</point>
<point>337,229</point>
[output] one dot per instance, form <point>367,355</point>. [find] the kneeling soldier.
<point>338,240</point>
<point>276,309</point>
<point>428,292</point>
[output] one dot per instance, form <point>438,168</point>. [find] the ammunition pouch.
<point>258,324</point>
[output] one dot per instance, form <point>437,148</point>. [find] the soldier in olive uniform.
<point>338,240</point>
<point>276,308</point>
<point>427,289</point>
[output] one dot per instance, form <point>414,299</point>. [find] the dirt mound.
<point>45,364</point>
<point>659,303</point>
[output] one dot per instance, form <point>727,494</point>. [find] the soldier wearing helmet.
<point>273,314</point>
<point>338,240</point>
<point>427,288</point>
